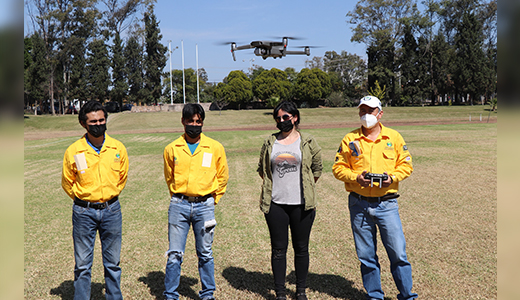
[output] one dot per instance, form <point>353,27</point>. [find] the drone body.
<point>272,49</point>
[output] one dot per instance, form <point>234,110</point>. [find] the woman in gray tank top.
<point>290,164</point>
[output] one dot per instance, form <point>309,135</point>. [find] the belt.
<point>193,199</point>
<point>376,199</point>
<point>94,205</point>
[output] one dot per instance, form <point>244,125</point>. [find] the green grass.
<point>252,118</point>
<point>448,208</point>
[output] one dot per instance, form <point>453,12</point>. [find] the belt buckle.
<point>99,205</point>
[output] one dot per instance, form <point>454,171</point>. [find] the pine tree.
<point>471,63</point>
<point>155,59</point>
<point>119,75</point>
<point>39,71</point>
<point>98,76</point>
<point>134,68</point>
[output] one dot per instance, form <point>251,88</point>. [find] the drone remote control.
<point>376,177</point>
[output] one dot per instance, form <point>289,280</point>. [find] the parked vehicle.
<point>112,107</point>
<point>127,106</point>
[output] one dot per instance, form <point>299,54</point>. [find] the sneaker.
<point>281,296</point>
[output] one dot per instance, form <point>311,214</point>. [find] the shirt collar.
<point>382,135</point>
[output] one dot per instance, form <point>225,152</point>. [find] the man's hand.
<point>361,179</point>
<point>388,181</point>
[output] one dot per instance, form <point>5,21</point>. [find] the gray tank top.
<point>286,161</point>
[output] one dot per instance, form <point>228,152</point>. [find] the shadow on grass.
<point>256,282</point>
<point>262,283</point>
<point>66,290</point>
<point>155,282</point>
<point>333,285</point>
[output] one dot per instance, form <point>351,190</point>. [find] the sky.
<point>206,23</point>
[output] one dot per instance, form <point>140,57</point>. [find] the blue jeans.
<point>86,222</point>
<point>201,216</point>
<point>365,218</point>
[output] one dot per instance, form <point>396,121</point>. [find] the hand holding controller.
<point>376,177</point>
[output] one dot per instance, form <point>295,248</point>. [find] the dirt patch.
<point>40,135</point>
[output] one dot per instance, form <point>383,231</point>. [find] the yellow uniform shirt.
<point>201,173</point>
<point>91,176</point>
<point>388,153</point>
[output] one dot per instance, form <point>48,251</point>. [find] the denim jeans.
<point>201,216</point>
<point>365,219</point>
<point>86,222</point>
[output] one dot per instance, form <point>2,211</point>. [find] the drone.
<point>272,49</point>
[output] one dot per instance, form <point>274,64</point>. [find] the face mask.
<point>193,131</point>
<point>97,130</point>
<point>285,126</point>
<point>369,120</point>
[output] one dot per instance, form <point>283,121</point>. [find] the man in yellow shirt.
<point>372,160</point>
<point>196,172</point>
<point>95,169</point>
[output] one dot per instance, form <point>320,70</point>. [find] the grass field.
<point>448,208</point>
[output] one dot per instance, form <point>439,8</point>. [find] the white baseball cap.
<point>370,101</point>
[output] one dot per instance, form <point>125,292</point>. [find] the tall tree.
<point>380,25</point>
<point>134,60</point>
<point>155,59</point>
<point>38,71</point>
<point>119,75</point>
<point>98,64</point>
<point>381,66</point>
<point>471,63</point>
<point>409,68</point>
<point>347,71</point>
<point>45,24</point>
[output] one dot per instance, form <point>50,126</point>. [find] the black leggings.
<point>279,218</point>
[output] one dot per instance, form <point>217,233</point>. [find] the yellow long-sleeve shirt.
<point>388,153</point>
<point>104,175</point>
<point>201,173</point>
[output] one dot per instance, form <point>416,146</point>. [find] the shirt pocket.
<point>389,159</point>
<point>206,178</point>
<point>356,162</point>
<point>86,177</point>
<point>113,172</point>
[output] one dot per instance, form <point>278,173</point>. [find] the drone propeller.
<point>294,38</point>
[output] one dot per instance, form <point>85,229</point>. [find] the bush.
<point>335,99</point>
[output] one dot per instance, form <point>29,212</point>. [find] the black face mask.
<point>285,126</point>
<point>97,130</point>
<point>193,131</point>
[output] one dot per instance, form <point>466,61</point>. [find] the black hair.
<point>289,107</point>
<point>88,107</point>
<point>191,109</point>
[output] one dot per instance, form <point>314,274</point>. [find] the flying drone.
<point>272,49</point>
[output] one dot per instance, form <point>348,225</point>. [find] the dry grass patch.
<point>448,209</point>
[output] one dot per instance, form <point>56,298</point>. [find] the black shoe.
<point>301,296</point>
<point>281,296</point>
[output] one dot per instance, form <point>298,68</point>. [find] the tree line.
<point>445,53</point>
